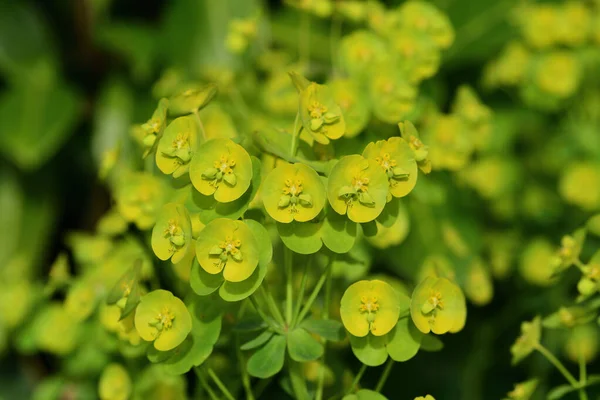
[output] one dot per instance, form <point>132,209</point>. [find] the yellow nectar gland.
<point>386,162</point>
<point>291,193</point>
<point>369,306</point>
<point>225,165</point>
<point>360,184</point>
<point>175,235</point>
<point>163,321</point>
<point>433,302</point>
<point>317,110</point>
<point>227,248</point>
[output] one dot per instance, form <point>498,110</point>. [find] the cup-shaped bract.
<point>421,16</point>
<point>221,168</point>
<point>359,50</point>
<point>450,146</point>
<point>191,98</point>
<point>370,306</point>
<point>148,132</point>
<point>320,115</point>
<point>229,247</point>
<point>417,54</point>
<point>392,95</point>
<point>177,146</point>
<point>163,319</point>
<point>438,305</point>
<point>353,103</point>
<point>529,339</point>
<point>172,234</point>
<point>139,196</point>
<point>293,192</point>
<point>557,74</point>
<point>523,390</point>
<point>115,383</point>
<point>410,134</point>
<point>358,187</point>
<point>397,160</point>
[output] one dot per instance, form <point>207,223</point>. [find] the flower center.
<point>320,116</point>
<point>222,171</point>
<point>316,109</point>
<point>358,190</point>
<point>293,196</point>
<point>360,184</point>
<point>434,302</point>
<point>369,306</point>
<point>162,321</point>
<point>230,247</point>
<point>175,235</point>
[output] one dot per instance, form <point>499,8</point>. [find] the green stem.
<point>385,375</point>
<point>554,361</point>
<point>295,134</point>
<point>245,376</point>
<point>321,381</point>
<point>334,39</point>
<point>314,294</point>
<point>202,131</point>
<point>300,298</point>
<point>304,39</point>
<point>297,380</point>
<point>357,379</point>
<point>289,289</point>
<point>260,312</point>
<point>272,304</point>
<point>205,384</point>
<point>582,376</point>
<point>220,385</point>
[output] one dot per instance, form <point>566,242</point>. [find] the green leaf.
<point>301,237</point>
<point>268,360</point>
<point>404,340</point>
<point>236,291</point>
<point>390,213</point>
<point>562,390</point>
<point>431,343</point>
<point>370,350</point>
<point>365,394</point>
<point>263,239</point>
<point>132,300</point>
<point>302,346</point>
<point>208,208</point>
<point>257,341</point>
<point>329,329</point>
<point>338,232</point>
<point>127,280</point>
<point>36,118</point>
<point>202,282</point>
<point>249,324</point>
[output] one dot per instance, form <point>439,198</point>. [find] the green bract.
<point>221,168</point>
<point>360,50</point>
<point>163,319</point>
<point>392,95</point>
<point>358,187</point>
<point>438,305</point>
<point>320,115</point>
<point>397,161</point>
<point>423,17</point>
<point>172,233</point>
<point>370,306</point>
<point>523,390</point>
<point>528,341</point>
<point>191,98</point>
<point>293,192</point>
<point>139,196</point>
<point>177,146</point>
<point>353,103</point>
<point>154,127</point>
<point>115,383</point>
<point>421,152</point>
<point>229,247</point>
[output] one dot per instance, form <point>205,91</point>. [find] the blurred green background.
<point>75,74</point>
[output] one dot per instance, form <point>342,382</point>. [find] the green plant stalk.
<point>289,289</point>
<point>201,125</point>
<point>554,361</point>
<point>321,381</point>
<point>300,298</point>
<point>205,384</point>
<point>295,134</point>
<point>271,304</point>
<point>297,380</point>
<point>261,314</point>
<point>314,294</point>
<point>220,385</point>
<point>384,375</point>
<point>357,379</point>
<point>240,356</point>
<point>582,376</point>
